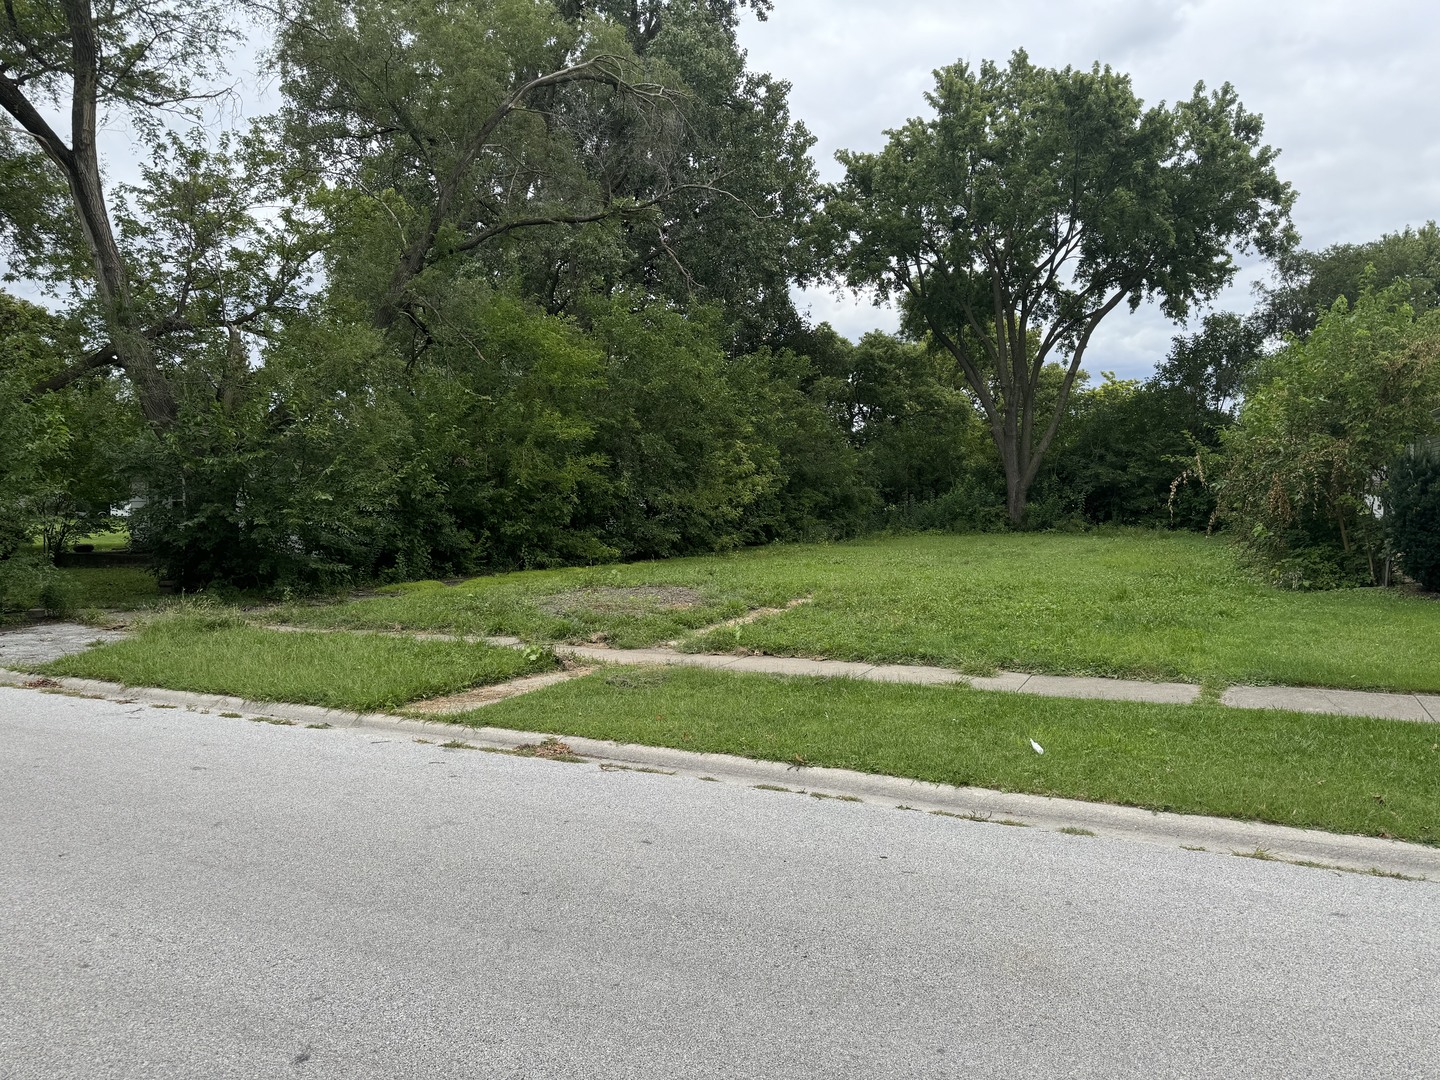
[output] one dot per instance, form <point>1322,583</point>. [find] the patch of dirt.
<point>489,695</point>
<point>755,615</point>
<point>551,748</point>
<point>609,600</point>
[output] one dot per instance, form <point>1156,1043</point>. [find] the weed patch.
<point>614,766</point>
<point>984,819</point>
<point>551,749</point>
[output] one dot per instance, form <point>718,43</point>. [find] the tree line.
<point>507,283</point>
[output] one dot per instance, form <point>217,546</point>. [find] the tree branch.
<point>1063,398</point>
<point>14,102</point>
<point>473,241</point>
<point>103,357</point>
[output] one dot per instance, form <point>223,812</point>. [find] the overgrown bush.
<point>1307,459</point>
<point>310,475</point>
<point>1412,515</point>
<point>514,439</point>
<point>970,506</point>
<point>1121,451</point>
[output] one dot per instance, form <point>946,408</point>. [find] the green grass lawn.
<point>361,672</point>
<point>114,588</point>
<point>552,605</point>
<point>1371,777</point>
<point>105,588</point>
<point>1344,774</point>
<point>1119,603</point>
<point>112,541</point>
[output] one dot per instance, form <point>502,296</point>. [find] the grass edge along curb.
<point>1195,833</point>
<point>1343,774</point>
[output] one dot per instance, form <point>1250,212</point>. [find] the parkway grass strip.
<point>1342,774</point>
<point>360,672</point>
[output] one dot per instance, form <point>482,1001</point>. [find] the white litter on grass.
<point>1036,747</point>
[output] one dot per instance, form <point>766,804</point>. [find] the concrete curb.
<point>1219,835</point>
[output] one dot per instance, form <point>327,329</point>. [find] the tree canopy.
<point>1035,202</point>
<point>1307,283</point>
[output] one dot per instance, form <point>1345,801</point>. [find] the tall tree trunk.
<point>133,349</point>
<point>1016,497</point>
<point>130,347</point>
<point>1017,488</point>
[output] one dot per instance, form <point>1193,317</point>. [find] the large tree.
<point>186,258</point>
<point>131,54</point>
<point>1035,202</point>
<point>561,149</point>
<point>644,20</point>
<point>458,128</point>
<point>743,182</point>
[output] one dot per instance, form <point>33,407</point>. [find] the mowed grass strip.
<point>359,672</point>
<point>1342,774</point>
<point>1119,603</point>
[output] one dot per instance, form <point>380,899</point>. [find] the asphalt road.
<point>198,896</point>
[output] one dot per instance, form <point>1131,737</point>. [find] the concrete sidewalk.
<point>1423,708</point>
<point>40,644</point>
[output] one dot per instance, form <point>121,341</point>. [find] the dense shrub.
<point>1121,451</point>
<point>60,474</point>
<point>973,505</point>
<point>1412,514</point>
<point>515,438</point>
<point>32,432</point>
<point>1306,462</point>
<point>309,476</point>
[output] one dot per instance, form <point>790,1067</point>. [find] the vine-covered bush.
<point>1307,459</point>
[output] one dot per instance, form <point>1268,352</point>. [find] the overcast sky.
<point>1348,92</point>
